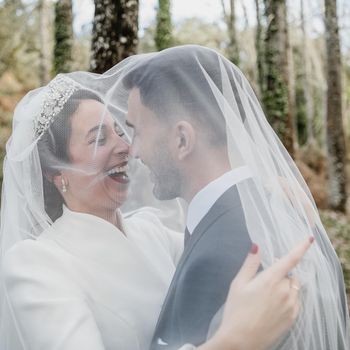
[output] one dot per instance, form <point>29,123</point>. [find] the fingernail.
<point>254,249</point>
<point>311,239</point>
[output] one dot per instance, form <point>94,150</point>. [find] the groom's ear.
<point>185,138</point>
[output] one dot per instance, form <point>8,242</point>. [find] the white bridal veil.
<point>182,83</point>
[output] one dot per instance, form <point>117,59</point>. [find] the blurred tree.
<point>277,95</point>
<point>81,52</point>
<point>45,47</point>
<point>230,20</point>
<point>63,36</point>
<point>146,41</point>
<point>305,81</point>
<point>19,42</point>
<point>196,31</point>
<point>335,131</point>
<point>163,36</point>
<point>114,33</point>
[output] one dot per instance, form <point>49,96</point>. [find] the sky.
<point>211,11</point>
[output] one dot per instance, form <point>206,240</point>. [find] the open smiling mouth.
<point>119,173</point>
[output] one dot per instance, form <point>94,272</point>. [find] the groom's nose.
<point>133,151</point>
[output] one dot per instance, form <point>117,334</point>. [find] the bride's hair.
<point>53,147</point>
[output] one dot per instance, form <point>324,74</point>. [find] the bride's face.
<point>98,154</point>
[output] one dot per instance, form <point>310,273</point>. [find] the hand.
<point>259,309</point>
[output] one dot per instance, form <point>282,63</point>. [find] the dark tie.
<point>187,236</point>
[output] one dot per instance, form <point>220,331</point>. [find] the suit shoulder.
<point>225,241</point>
<point>229,227</point>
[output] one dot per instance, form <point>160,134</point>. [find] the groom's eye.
<point>118,131</point>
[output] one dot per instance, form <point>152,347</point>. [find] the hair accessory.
<point>59,91</point>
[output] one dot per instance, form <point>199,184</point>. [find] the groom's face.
<point>152,144</point>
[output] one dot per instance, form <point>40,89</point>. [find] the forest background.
<point>295,53</point>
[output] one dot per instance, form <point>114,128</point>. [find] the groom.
<point>180,134</point>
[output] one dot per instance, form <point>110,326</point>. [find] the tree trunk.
<point>44,29</point>
<point>63,36</point>
<point>335,131</point>
<point>277,95</point>
<point>230,19</point>
<point>245,14</point>
<point>259,46</point>
<point>163,36</point>
<point>114,34</point>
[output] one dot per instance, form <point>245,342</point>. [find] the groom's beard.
<point>165,176</point>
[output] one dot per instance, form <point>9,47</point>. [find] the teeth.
<point>118,170</point>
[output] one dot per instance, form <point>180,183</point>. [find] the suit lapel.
<point>224,203</point>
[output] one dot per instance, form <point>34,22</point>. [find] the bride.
<point>76,273</point>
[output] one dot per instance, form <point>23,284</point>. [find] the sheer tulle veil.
<point>176,84</point>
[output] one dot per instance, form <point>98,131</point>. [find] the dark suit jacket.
<point>211,259</point>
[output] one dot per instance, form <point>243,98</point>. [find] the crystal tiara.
<point>59,91</point>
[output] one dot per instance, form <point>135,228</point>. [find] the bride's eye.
<point>100,140</point>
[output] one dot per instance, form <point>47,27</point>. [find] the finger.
<point>249,268</point>
<point>294,285</point>
<point>281,268</point>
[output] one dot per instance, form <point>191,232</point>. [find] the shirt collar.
<point>207,196</point>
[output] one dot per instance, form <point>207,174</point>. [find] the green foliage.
<point>63,36</point>
<point>338,229</point>
<point>196,31</point>
<point>163,36</point>
<point>19,41</point>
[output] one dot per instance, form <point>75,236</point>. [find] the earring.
<point>64,187</point>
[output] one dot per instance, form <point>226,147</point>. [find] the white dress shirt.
<point>207,196</point>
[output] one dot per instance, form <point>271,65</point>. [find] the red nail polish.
<point>311,239</point>
<point>254,249</point>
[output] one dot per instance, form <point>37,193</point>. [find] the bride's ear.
<point>60,181</point>
<point>185,138</point>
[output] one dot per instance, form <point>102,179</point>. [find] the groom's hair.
<point>173,85</point>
